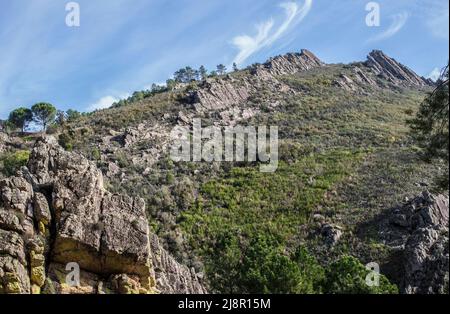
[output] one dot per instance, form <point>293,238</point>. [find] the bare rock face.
<point>3,139</point>
<point>215,94</point>
<point>56,212</point>
<point>224,92</point>
<point>292,63</point>
<point>395,72</point>
<point>420,227</point>
<point>167,271</point>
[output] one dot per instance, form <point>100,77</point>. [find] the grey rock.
<point>420,228</point>
<point>292,63</point>
<point>390,69</point>
<point>106,235</point>
<point>171,277</point>
<point>331,233</point>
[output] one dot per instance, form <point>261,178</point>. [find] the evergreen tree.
<point>43,114</point>
<point>20,118</point>
<point>221,69</point>
<point>430,126</point>
<point>203,73</point>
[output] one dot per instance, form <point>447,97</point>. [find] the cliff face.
<point>393,71</point>
<point>56,212</point>
<point>419,230</point>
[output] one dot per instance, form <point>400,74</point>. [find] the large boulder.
<point>56,212</point>
<point>420,229</point>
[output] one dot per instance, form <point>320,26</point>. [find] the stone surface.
<point>57,212</point>
<point>224,92</point>
<point>331,233</point>
<point>3,139</point>
<point>168,271</point>
<point>419,228</point>
<point>292,63</point>
<point>393,71</point>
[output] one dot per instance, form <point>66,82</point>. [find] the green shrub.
<point>96,154</point>
<point>265,269</point>
<point>66,141</point>
<point>12,162</point>
<point>262,266</point>
<point>348,276</point>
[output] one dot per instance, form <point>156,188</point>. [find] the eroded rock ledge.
<point>56,211</point>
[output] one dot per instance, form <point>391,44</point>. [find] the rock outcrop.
<point>419,229</point>
<point>292,63</point>
<point>4,139</point>
<point>56,213</point>
<point>393,71</point>
<point>223,92</point>
<point>170,277</point>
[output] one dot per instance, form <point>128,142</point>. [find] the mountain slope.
<point>346,158</point>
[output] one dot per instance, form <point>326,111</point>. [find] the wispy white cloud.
<point>435,74</point>
<point>265,35</point>
<point>398,21</point>
<point>105,102</point>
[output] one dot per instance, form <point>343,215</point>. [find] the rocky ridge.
<point>393,71</point>
<point>227,91</point>
<point>419,230</point>
<point>56,212</point>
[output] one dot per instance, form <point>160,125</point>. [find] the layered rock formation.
<point>419,229</point>
<point>393,71</point>
<point>292,63</point>
<point>215,94</point>
<point>56,213</point>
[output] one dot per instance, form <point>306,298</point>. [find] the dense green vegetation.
<point>244,223</point>
<point>11,162</point>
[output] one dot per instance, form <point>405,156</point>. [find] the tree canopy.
<point>430,126</point>
<point>20,118</point>
<point>43,114</point>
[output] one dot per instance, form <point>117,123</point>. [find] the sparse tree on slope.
<point>72,115</point>
<point>203,72</point>
<point>43,114</point>
<point>20,118</point>
<point>221,69</point>
<point>430,126</point>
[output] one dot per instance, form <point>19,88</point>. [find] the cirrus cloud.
<point>398,21</point>
<point>265,35</point>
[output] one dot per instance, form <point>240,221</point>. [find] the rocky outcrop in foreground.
<point>56,212</point>
<point>419,229</point>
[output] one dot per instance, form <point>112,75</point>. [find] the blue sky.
<point>126,45</point>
